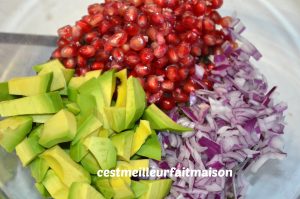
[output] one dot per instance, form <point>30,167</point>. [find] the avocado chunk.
<point>160,121</point>
<point>133,164</point>
<point>135,102</point>
<point>13,130</point>
<point>41,119</point>
<point>73,107</point>
<point>151,148</point>
<point>157,189</point>
<point>28,86</point>
<point>88,126</point>
<point>64,167</point>
<point>107,84</point>
<point>103,150</point>
<point>42,190</point>
<point>4,94</point>
<point>78,151</point>
<point>39,168</point>
<point>122,88</point>
<point>81,190</point>
<point>55,186</point>
<point>39,104</point>
<point>90,164</point>
<point>123,143</point>
<point>60,128</point>
<point>121,188</point>
<point>116,117</point>
<point>141,134</point>
<point>138,188</point>
<point>55,67</point>
<point>28,150</point>
<point>103,185</point>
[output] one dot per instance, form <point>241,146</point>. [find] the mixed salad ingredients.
<point>144,84</point>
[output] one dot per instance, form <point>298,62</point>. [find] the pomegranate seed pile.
<point>158,41</point>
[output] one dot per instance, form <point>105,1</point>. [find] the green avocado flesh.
<point>66,129</point>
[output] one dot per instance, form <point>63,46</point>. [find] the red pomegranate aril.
<point>131,14</point>
<point>126,48</point>
<point>84,26</point>
<point>157,18</point>
<point>81,71</point>
<point>180,96</point>
<point>95,8</point>
<point>142,70</point>
<point>102,55</point>
<point>167,85</point>
<point>110,10</point>
<point>199,8</point>
<point>118,39</point>
<point>132,58</point>
<point>108,47</point>
<point>69,63</point>
<point>225,22</point>
<point>167,104</point>
<point>87,51</point>
<point>104,27</point>
<point>154,98</point>
<point>136,3</point>
<point>65,32</point>
<point>215,4</point>
<point>118,55</point>
<point>189,22</point>
<point>183,73</point>
<point>131,29</point>
<point>209,39</point>
<point>146,55</point>
<point>152,32</point>
<point>150,7</point>
<point>81,61</point>
<point>56,53</point>
<point>76,33</point>
<point>62,42</point>
<point>160,63</point>
<point>172,73</point>
<point>142,21</point>
<point>96,20</point>
<point>160,50</point>
<point>160,3</point>
<point>68,51</point>
<point>171,3</point>
<point>187,61</point>
<point>215,16</point>
<point>137,43</point>
<point>172,38</point>
<point>173,57</point>
<point>116,20</point>
<point>190,86</point>
<point>208,25</point>
<point>191,37</point>
<point>89,37</point>
<point>97,66</point>
<point>152,84</point>
<point>97,43</point>
<point>183,49</point>
<point>196,51</point>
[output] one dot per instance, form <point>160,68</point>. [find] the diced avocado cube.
<point>29,149</point>
<point>41,119</point>
<point>151,148</point>
<point>4,94</point>
<point>133,164</point>
<point>158,189</point>
<point>121,188</point>
<point>90,164</point>
<point>39,168</point>
<point>56,68</point>
<point>141,134</point>
<point>138,188</point>
<point>78,151</point>
<point>39,104</point>
<point>60,128</point>
<point>80,190</point>
<point>123,143</point>
<point>103,150</point>
<point>42,190</point>
<point>160,121</point>
<point>29,86</point>
<point>13,130</point>
<point>135,102</point>
<point>107,84</point>
<point>56,188</point>
<point>64,167</point>
<point>73,107</point>
<point>116,117</point>
<point>36,132</point>
<point>103,185</point>
<point>88,126</point>
<point>122,88</point>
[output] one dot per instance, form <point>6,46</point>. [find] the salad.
<point>149,85</point>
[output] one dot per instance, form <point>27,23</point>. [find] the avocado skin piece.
<point>135,102</point>
<point>4,94</point>
<point>160,121</point>
<point>141,134</point>
<point>60,128</point>
<point>116,117</point>
<point>103,185</point>
<point>13,130</point>
<point>157,189</point>
<point>28,150</point>
<point>138,188</point>
<point>43,104</point>
<point>151,148</point>
<point>29,86</point>
<point>103,150</point>
<point>56,188</point>
<point>42,190</point>
<point>39,168</point>
<point>80,190</point>
<point>64,167</point>
<point>90,164</point>
<point>123,144</point>
<point>122,88</point>
<point>121,188</point>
